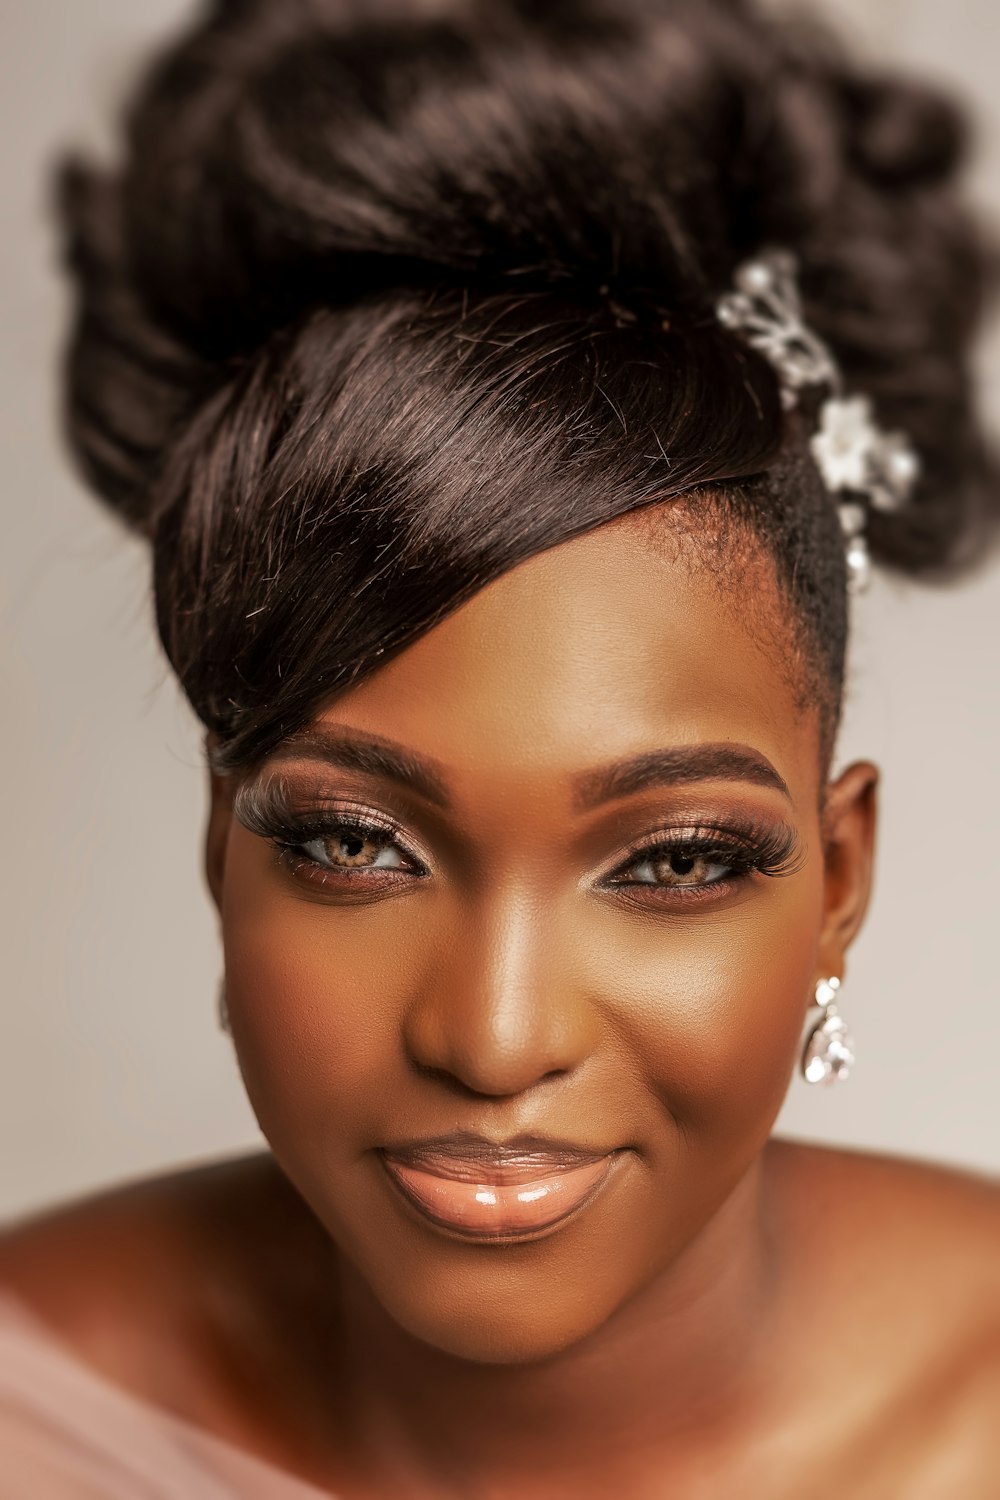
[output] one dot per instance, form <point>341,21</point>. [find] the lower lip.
<point>500,1211</point>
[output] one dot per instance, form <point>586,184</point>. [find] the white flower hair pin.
<point>853,454</point>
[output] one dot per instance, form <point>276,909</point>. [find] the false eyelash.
<point>266,810</point>
<point>769,850</point>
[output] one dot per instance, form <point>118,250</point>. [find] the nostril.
<point>446,1079</point>
<point>465,1089</point>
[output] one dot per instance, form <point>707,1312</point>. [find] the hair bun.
<point>901,133</point>
<point>129,384</point>
<point>288,154</point>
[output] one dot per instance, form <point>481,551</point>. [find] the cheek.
<point>315,995</point>
<point>714,1006</point>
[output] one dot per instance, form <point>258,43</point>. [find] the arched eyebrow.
<point>374,755</point>
<point>357,750</point>
<point>675,766</point>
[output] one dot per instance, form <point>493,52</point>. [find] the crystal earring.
<point>828,1055</point>
<point>223,1009</point>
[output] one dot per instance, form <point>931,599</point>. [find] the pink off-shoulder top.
<point>68,1434</point>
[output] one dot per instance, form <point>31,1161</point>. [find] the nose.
<point>504,1011</point>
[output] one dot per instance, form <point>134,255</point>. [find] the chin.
<point>506,1328</point>
<point>513,1304</point>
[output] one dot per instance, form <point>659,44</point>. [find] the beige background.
<point>110,1061</point>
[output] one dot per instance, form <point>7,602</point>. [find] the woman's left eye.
<point>680,867</point>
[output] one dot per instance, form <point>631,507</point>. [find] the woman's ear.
<point>220,791</point>
<point>849,846</point>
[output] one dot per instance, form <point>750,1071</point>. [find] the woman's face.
<point>588,901</point>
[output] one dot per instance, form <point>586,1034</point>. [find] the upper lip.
<point>465,1149</point>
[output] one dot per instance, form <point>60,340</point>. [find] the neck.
<point>681,1357</point>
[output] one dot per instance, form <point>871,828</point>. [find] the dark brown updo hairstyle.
<point>386,296</point>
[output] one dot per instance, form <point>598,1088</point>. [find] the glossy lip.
<point>475,1160</point>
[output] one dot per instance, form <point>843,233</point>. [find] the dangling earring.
<point>828,1055</point>
<point>223,1009</point>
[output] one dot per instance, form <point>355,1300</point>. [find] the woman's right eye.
<point>353,848</point>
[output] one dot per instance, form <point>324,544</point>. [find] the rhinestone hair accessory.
<point>868,467</point>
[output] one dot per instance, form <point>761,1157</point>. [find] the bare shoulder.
<point>903,1259</point>
<point>176,1289</point>
<point>124,1277</point>
<point>937,1217</point>
<point>921,1238</point>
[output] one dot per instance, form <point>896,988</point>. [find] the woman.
<point>510,395</point>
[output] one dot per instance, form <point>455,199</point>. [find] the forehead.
<point>610,644</point>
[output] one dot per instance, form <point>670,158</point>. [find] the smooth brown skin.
<point>732,1314</point>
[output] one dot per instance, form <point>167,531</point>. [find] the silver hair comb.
<point>853,454</point>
